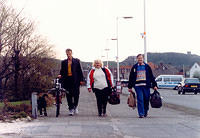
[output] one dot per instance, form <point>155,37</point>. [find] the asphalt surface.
<point>188,103</point>
<point>121,122</point>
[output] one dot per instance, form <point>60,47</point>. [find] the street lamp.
<point>117,19</point>
<point>102,57</point>
<point>145,39</point>
<point>107,49</point>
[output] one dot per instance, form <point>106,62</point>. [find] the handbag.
<point>132,100</point>
<point>114,97</point>
<point>155,99</point>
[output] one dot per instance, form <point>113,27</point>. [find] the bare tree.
<point>22,52</point>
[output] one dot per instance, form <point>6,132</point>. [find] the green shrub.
<point>20,115</point>
<point>14,110</point>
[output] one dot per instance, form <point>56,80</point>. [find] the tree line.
<point>26,63</point>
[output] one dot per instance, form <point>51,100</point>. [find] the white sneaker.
<point>71,112</point>
<point>76,110</point>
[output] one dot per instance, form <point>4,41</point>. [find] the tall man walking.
<point>71,77</point>
<point>141,78</point>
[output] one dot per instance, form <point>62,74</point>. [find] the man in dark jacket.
<point>71,78</point>
<point>141,79</point>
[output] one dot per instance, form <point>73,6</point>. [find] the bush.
<point>1,117</point>
<point>20,115</point>
<point>15,110</point>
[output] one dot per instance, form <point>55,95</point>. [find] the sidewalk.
<point>121,122</point>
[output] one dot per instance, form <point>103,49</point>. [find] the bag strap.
<point>156,92</point>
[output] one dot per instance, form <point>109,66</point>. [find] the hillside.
<point>174,59</point>
<point>171,58</point>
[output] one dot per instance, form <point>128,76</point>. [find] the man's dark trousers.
<point>73,95</point>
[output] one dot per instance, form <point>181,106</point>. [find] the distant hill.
<point>129,61</point>
<point>174,59</point>
<point>171,58</point>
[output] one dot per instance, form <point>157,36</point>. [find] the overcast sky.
<point>87,26</point>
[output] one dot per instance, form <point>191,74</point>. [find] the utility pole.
<point>145,39</point>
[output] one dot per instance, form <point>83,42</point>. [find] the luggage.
<point>155,99</point>
<point>114,97</point>
<point>131,100</point>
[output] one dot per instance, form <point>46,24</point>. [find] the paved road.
<point>188,102</point>
<point>121,122</point>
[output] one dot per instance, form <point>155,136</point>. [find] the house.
<point>125,71</point>
<point>194,70</point>
<point>163,69</point>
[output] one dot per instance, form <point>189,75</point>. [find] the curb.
<point>186,110</point>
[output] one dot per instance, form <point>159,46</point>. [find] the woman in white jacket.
<point>100,81</point>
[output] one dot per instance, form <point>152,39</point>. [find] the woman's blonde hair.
<point>97,61</point>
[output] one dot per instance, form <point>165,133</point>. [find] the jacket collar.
<point>72,60</point>
<point>141,64</point>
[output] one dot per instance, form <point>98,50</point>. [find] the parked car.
<point>169,81</point>
<point>189,85</point>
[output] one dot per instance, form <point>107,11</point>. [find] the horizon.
<point>135,56</point>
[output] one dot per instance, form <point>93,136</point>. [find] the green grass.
<point>20,102</point>
<point>16,103</point>
<point>1,105</point>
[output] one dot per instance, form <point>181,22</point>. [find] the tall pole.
<point>117,20</point>
<point>117,50</point>
<point>107,59</point>
<point>107,49</point>
<point>145,39</point>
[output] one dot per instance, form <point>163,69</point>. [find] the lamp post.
<point>145,39</point>
<point>102,57</point>
<point>107,49</point>
<point>117,19</point>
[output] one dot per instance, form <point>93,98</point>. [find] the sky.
<point>87,26</point>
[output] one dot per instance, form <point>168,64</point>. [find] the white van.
<point>169,81</point>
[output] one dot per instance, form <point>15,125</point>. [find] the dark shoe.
<point>104,115</point>
<point>99,115</point>
<point>141,116</point>
<point>45,114</point>
<point>145,115</point>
